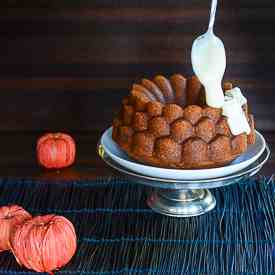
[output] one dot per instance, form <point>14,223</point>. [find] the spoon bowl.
<point>209,62</point>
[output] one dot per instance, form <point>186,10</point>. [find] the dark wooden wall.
<point>65,65</point>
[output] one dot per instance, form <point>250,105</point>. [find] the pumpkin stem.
<point>56,135</point>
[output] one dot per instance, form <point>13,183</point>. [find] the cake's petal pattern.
<point>165,123</point>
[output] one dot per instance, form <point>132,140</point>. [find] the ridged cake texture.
<point>166,123</point>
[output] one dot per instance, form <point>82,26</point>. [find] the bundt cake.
<point>166,123</point>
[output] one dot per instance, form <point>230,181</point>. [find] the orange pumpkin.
<point>55,150</point>
<point>10,217</point>
<point>44,243</point>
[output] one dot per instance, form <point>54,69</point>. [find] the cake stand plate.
<point>244,160</point>
<point>183,198</point>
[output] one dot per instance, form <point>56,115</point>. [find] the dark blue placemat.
<point>118,234</point>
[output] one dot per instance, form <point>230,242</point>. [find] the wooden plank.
<point>124,49</point>
<point>253,88</point>
<point>58,111</point>
<point>262,72</point>
<point>44,6</point>
<point>18,159</point>
<point>128,20</point>
<point>81,110</point>
<point>137,25</point>
<point>71,4</point>
<point>51,84</point>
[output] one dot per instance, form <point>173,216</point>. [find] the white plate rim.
<point>189,171</point>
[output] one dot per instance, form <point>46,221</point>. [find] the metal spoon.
<point>209,62</point>
<point>212,15</point>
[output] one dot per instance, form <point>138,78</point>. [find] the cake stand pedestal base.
<point>189,196</point>
<point>181,203</point>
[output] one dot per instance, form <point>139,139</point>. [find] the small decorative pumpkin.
<point>55,150</point>
<point>10,217</point>
<point>44,243</point>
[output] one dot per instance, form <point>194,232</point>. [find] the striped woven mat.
<point>118,234</point>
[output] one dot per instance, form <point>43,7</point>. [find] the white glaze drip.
<point>236,118</point>
<point>209,62</point>
<point>236,93</point>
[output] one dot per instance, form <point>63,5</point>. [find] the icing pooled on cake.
<point>236,93</point>
<point>232,109</point>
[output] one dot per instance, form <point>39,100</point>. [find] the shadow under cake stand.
<point>182,197</point>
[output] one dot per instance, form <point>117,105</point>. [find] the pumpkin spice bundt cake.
<point>166,123</point>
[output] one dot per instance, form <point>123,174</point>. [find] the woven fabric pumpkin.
<point>10,217</point>
<point>55,150</point>
<point>44,243</point>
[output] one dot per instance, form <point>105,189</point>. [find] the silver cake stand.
<point>184,198</point>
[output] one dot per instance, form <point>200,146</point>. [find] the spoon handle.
<point>212,15</point>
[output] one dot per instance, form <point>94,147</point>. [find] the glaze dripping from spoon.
<point>209,62</point>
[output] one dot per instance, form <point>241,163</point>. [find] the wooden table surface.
<point>18,159</point>
<point>65,66</point>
